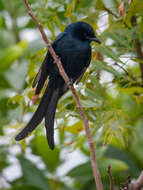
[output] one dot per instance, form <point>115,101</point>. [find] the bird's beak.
<point>94,39</point>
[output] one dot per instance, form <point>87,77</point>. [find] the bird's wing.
<point>81,75</point>
<point>43,71</point>
<point>37,78</point>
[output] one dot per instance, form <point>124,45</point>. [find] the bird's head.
<point>82,31</point>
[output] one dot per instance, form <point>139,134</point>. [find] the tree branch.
<point>110,177</point>
<point>121,8</point>
<point>139,182</point>
<point>138,48</point>
<point>82,114</point>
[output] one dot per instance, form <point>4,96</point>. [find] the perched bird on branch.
<point>74,50</point>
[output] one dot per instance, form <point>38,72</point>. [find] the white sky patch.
<point>106,77</point>
<point>8,20</point>
<point>102,22</point>
<point>22,21</point>
<point>29,34</point>
<point>14,170</point>
<point>73,159</point>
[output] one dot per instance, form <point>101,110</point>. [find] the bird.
<point>73,48</point>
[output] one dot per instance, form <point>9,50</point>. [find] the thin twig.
<point>127,73</point>
<point>121,68</point>
<point>115,16</point>
<point>83,116</point>
<point>110,177</point>
<point>110,12</point>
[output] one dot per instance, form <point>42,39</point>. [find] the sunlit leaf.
<point>109,53</point>
<point>24,186</point>
<point>16,99</point>
<point>8,56</point>
<point>100,65</point>
<point>50,157</point>
<point>75,128</point>
<point>100,5</point>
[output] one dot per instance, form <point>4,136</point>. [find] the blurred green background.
<point>111,93</point>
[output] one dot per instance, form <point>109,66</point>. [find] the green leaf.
<point>3,107</point>
<point>32,175</point>
<point>116,165</point>
<point>70,8</point>
<point>9,55</point>
<point>51,27</point>
<point>16,99</point>
<point>101,65</point>
<point>109,53</point>
<point>25,187</point>
<point>16,79</point>
<point>124,156</point>
<point>132,90</point>
<point>3,158</point>
<point>4,83</point>
<point>81,173</point>
<point>75,128</point>
<point>100,5</point>
<point>50,157</point>
<point>88,104</point>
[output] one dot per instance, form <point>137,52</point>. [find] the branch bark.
<point>139,182</point>
<point>110,177</point>
<point>71,87</point>
<point>121,8</point>
<point>138,48</point>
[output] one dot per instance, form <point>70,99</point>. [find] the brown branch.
<point>139,182</point>
<point>83,116</point>
<point>138,48</point>
<point>115,16</point>
<point>110,177</point>
<point>121,8</point>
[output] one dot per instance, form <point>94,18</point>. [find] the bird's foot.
<point>70,82</point>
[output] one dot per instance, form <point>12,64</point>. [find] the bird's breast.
<point>75,60</point>
<point>75,56</point>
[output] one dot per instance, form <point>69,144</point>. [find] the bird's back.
<point>74,54</point>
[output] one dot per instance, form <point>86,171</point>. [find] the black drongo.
<point>74,50</point>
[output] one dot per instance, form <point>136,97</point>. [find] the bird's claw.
<point>70,82</point>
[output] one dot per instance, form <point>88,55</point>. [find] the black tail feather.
<point>47,109</point>
<point>50,113</point>
<point>49,118</point>
<point>38,115</point>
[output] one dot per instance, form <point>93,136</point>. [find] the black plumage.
<point>74,50</point>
